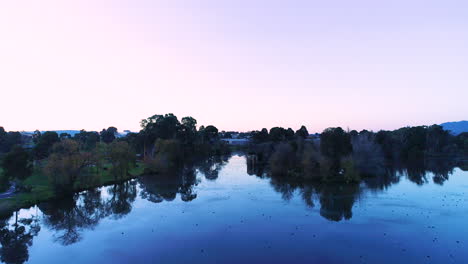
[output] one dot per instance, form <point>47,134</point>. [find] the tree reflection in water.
<point>211,167</point>
<point>337,200</point>
<point>69,216</point>
<point>165,187</point>
<point>122,197</point>
<point>17,237</point>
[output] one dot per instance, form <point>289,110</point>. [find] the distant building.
<point>236,141</point>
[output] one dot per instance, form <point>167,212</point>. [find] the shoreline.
<point>24,200</point>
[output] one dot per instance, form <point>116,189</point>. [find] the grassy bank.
<point>42,190</point>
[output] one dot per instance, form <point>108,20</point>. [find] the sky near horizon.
<point>239,65</point>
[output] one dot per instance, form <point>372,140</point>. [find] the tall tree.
<point>260,136</point>
<point>45,143</point>
<point>16,164</point>
<point>158,127</point>
<point>8,140</point>
<point>190,123</point>
<point>210,133</point>
<point>188,130</point>
<point>277,134</point>
<point>108,135</point>
<point>87,140</point>
<point>302,132</point>
<point>335,143</point>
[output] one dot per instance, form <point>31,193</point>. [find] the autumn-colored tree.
<point>66,165</point>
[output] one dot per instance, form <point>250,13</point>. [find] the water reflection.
<point>159,188</point>
<point>69,217</point>
<point>211,167</point>
<point>16,237</point>
<point>337,200</point>
<point>122,197</point>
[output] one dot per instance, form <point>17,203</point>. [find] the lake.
<point>221,212</point>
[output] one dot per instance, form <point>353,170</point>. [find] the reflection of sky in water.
<point>241,218</point>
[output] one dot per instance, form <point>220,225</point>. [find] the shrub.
<point>282,161</point>
<point>349,171</point>
<point>168,156</point>
<point>66,164</point>
<point>122,158</point>
<point>311,163</point>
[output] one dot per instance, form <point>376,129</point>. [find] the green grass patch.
<point>42,190</point>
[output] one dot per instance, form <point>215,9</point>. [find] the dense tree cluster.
<point>278,134</point>
<point>17,164</point>
<point>8,140</point>
<point>347,156</point>
<point>412,143</point>
<point>164,143</point>
<point>87,139</point>
<point>44,144</point>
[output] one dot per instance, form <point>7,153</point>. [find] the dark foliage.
<point>335,143</point>
<point>17,164</point>
<point>44,144</point>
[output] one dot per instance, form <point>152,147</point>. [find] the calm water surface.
<point>221,214</point>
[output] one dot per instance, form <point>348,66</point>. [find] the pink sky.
<point>239,65</point>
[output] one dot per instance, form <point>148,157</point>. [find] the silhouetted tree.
<point>108,135</point>
<point>16,164</point>
<point>44,144</point>
<point>209,133</point>
<point>277,134</point>
<point>335,143</point>
<point>302,132</point>
<point>188,131</point>
<point>260,136</point>
<point>8,140</point>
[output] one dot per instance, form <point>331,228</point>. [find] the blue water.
<point>221,214</point>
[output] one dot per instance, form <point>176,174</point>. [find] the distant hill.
<point>456,127</point>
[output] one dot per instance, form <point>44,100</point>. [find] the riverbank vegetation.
<point>57,165</point>
<point>348,156</point>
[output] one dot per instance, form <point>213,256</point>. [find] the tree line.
<point>164,143</point>
<point>339,155</point>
